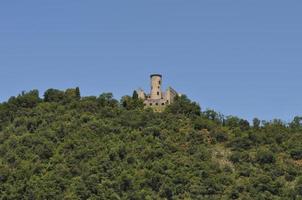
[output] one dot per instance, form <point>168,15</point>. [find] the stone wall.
<point>157,99</point>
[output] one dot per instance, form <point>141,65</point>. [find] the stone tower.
<point>156,81</point>
<point>157,99</point>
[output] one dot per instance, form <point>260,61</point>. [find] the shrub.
<point>265,157</point>
<point>296,154</point>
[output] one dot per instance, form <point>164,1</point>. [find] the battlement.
<point>156,75</point>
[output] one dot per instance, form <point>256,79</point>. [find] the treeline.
<point>65,146</point>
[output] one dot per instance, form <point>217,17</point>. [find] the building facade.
<point>157,99</point>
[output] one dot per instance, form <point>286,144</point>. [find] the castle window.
<point>163,104</point>
<point>159,82</point>
<point>158,93</point>
<point>150,104</point>
<point>145,104</point>
<point>156,104</point>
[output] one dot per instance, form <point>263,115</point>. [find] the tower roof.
<point>155,75</point>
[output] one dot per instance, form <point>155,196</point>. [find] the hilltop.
<point>64,146</point>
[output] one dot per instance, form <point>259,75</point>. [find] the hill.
<point>65,146</point>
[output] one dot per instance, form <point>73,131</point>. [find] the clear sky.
<point>240,58</point>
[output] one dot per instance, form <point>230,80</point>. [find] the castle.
<point>157,99</point>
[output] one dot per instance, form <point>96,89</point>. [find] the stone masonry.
<point>157,99</point>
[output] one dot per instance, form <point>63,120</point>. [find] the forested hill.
<point>64,146</point>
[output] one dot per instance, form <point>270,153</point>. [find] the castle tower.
<point>157,99</point>
<point>156,81</point>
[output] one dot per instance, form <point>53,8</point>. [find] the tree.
<point>58,96</point>
<point>296,153</point>
<point>214,116</point>
<point>265,156</point>
<point>232,121</point>
<point>183,105</point>
<point>244,124</point>
<point>131,103</point>
<point>296,123</point>
<point>72,95</point>
<point>54,95</point>
<point>135,95</point>
<point>298,186</point>
<point>97,148</point>
<point>127,102</point>
<point>78,93</point>
<point>107,100</point>
<point>256,123</point>
<point>25,99</point>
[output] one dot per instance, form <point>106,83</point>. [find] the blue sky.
<point>240,58</point>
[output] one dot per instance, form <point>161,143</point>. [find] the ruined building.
<point>157,99</point>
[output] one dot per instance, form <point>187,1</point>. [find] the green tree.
<point>296,123</point>
<point>264,156</point>
<point>298,186</point>
<point>244,124</point>
<point>72,95</point>
<point>256,123</point>
<point>214,116</point>
<point>183,105</point>
<point>135,95</point>
<point>131,103</point>
<point>72,147</point>
<point>78,93</point>
<point>54,95</point>
<point>25,99</point>
<point>107,100</point>
<point>296,153</point>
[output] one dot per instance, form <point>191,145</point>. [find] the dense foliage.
<point>65,146</point>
